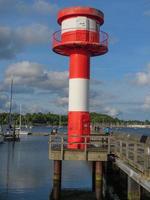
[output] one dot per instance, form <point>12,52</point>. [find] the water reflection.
<point>26,172</point>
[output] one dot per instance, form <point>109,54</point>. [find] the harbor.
<point>26,177</point>
<point>74,100</point>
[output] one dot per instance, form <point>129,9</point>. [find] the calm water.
<point>139,131</point>
<point>26,172</point>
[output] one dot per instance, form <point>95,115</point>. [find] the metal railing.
<point>134,153</point>
<point>59,142</point>
<point>78,37</point>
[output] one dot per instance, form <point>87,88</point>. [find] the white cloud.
<point>62,101</point>
<point>44,7</point>
<point>143,78</point>
<point>34,33</point>
<point>111,111</point>
<point>98,105</point>
<point>5,103</point>
<point>10,44</point>
<point>30,74</point>
<point>31,77</point>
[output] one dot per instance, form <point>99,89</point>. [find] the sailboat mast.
<point>20,118</point>
<point>10,108</point>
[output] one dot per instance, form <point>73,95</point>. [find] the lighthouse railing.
<point>78,36</point>
<point>93,142</point>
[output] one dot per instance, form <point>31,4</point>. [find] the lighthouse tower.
<point>79,38</point>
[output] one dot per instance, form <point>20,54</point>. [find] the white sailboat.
<point>21,131</point>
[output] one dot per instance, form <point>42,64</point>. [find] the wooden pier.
<point>94,150</point>
<point>130,153</point>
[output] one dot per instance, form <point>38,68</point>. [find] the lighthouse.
<point>79,38</point>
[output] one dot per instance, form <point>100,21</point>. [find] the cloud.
<point>33,78</point>
<point>143,78</point>
<point>97,104</point>
<point>13,41</point>
<point>10,44</point>
<point>111,111</point>
<point>5,103</point>
<point>63,101</point>
<point>40,7</point>
<point>34,34</point>
<point>33,75</point>
<point>44,7</point>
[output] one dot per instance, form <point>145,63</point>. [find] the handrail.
<point>136,154</point>
<point>133,153</point>
<point>95,142</point>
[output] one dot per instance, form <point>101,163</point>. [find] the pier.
<point>81,38</point>
<point>131,154</point>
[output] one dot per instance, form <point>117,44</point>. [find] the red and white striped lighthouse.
<point>80,38</point>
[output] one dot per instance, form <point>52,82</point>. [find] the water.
<point>139,131</point>
<point>26,172</point>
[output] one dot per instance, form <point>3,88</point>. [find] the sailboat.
<point>21,131</point>
<point>11,134</point>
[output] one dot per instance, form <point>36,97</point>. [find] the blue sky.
<point>120,79</point>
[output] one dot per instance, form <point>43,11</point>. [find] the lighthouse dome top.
<point>80,11</point>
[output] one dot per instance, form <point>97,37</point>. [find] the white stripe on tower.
<point>79,23</point>
<point>78,94</point>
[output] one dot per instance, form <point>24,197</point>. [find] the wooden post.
<point>134,190</point>
<point>57,180</point>
<point>93,176</point>
<point>98,180</point>
<point>62,147</point>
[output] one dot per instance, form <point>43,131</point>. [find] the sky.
<point>120,79</point>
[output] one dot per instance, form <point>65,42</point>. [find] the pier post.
<point>134,190</point>
<point>93,176</point>
<point>57,180</point>
<point>98,180</point>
